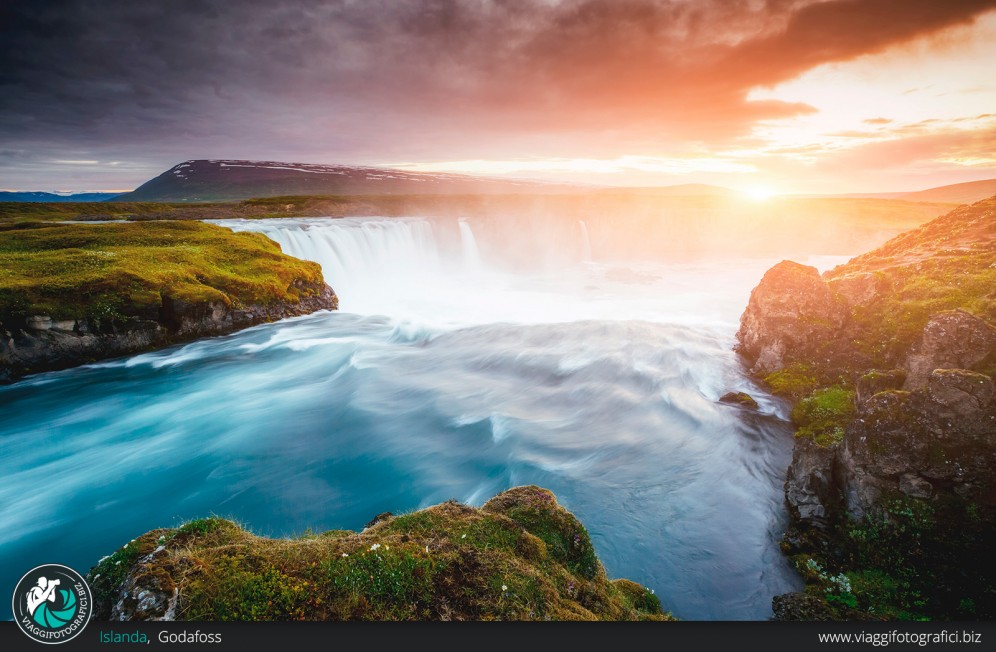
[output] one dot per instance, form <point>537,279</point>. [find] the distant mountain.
<point>226,180</point>
<point>962,193</point>
<point>56,197</point>
<point>958,193</point>
<point>681,190</point>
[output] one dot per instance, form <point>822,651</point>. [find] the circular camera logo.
<point>52,603</point>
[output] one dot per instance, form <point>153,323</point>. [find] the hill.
<point>962,193</point>
<point>958,193</point>
<point>228,180</point>
<point>680,190</point>
<point>7,196</point>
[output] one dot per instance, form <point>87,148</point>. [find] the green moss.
<point>565,537</point>
<point>639,597</point>
<point>794,381</point>
<point>881,594</point>
<point>108,574</point>
<point>107,272</point>
<point>742,399</point>
<point>203,525</point>
<point>890,325</point>
<point>824,415</point>
<point>448,562</point>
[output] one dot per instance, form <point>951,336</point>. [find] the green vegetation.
<point>911,560</point>
<point>890,326</point>
<point>85,211</point>
<point>823,415</point>
<point>905,557</point>
<point>948,263</point>
<point>794,381</point>
<point>111,271</point>
<point>520,557</point>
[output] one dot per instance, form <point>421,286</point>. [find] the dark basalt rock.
<point>380,518</point>
<point>812,491</point>
<point>876,381</point>
<point>953,339</point>
<point>801,606</point>
<point>925,444</point>
<point>44,345</point>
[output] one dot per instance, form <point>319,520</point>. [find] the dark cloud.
<point>157,81</point>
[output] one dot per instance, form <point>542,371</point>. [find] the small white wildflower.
<point>117,563</point>
<point>375,546</point>
<point>387,547</point>
<point>651,591</point>
<point>345,554</point>
<point>463,536</point>
<point>427,550</point>
<point>504,588</point>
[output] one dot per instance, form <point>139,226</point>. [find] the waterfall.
<point>585,243</point>
<point>471,255</point>
<point>367,261</point>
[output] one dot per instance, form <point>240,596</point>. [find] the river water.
<point>468,357</point>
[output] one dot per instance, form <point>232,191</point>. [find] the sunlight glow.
<point>759,193</point>
<point>619,165</point>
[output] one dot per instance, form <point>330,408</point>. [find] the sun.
<point>759,193</point>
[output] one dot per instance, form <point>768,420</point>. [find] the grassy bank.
<point>109,271</point>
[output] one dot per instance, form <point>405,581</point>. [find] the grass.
<point>890,326</point>
<point>110,271</point>
<point>520,557</point>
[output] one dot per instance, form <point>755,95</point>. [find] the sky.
<point>825,96</point>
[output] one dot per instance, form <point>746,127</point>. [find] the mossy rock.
<point>742,399</point>
<point>536,510</point>
<point>824,415</point>
<point>521,557</point>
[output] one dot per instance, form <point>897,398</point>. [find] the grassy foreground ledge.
<point>116,270</point>
<point>519,557</point>
<point>76,293</point>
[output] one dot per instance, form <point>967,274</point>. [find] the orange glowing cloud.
<point>641,92</point>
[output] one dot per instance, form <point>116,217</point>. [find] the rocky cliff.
<point>43,344</point>
<point>889,362</point>
<point>519,557</point>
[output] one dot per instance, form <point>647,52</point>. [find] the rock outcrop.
<point>46,345</point>
<point>521,556</point>
<point>916,457</point>
<point>936,443</point>
<point>791,314</point>
<point>741,399</point>
<point>953,339</point>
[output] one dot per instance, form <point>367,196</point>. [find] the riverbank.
<point>73,294</point>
